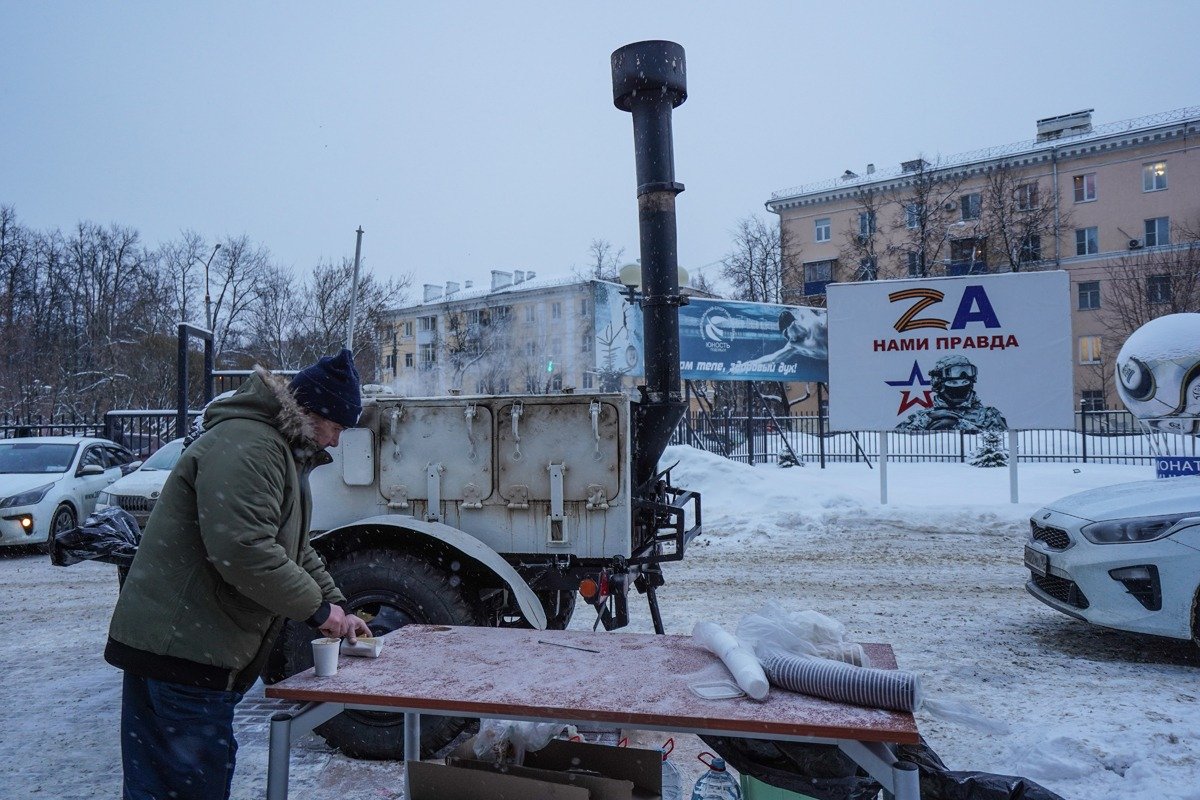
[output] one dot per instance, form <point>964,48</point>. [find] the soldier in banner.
<point>956,407</point>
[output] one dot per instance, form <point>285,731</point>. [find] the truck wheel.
<point>388,589</point>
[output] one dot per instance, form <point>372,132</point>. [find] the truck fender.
<point>464,543</point>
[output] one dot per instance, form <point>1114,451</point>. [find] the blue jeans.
<point>176,741</point>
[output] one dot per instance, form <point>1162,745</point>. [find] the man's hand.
<point>343,625</point>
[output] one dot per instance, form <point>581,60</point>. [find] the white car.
<point>49,483</point>
<point>138,491</point>
<point>1125,557</point>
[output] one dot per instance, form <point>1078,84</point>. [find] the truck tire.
<point>389,589</point>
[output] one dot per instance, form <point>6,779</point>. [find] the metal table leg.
<point>412,736</point>
<point>287,727</point>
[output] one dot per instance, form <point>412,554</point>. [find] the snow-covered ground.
<point>937,573</point>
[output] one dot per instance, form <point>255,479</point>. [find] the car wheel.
<point>64,519</point>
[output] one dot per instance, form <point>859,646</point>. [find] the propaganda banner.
<point>973,353</point>
<point>719,340</point>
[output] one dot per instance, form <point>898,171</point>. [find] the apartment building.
<point>1116,205</point>
<point>520,334</point>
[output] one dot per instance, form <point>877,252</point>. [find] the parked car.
<point>49,483</point>
<point>138,491</point>
<point>1125,557</point>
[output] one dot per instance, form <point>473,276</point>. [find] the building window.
<point>1089,350</point>
<point>912,216</point>
<point>1158,231</point>
<point>1085,188</point>
<point>408,328</point>
<point>481,386</point>
<point>868,269</point>
<point>530,349</point>
<point>1089,295</point>
<point>428,355</point>
<point>916,265</point>
<point>816,275</point>
<point>1154,176</point>
<point>1031,249</point>
<point>530,313</point>
<point>971,205</point>
<point>1158,289</point>
<point>866,224</point>
<point>408,359</point>
<point>967,256</point>
<point>1087,241</point>
<point>583,307</point>
<point>476,316</point>
<point>589,380</point>
<point>1027,196</point>
<point>585,345</point>
<point>556,382</point>
<point>427,323</point>
<point>391,363</point>
<point>556,310</point>
<point>531,384</point>
<point>1092,400</point>
<point>502,313</point>
<point>823,229</point>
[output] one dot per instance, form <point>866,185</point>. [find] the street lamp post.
<point>208,321</point>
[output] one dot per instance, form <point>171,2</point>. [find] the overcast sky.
<point>466,137</point>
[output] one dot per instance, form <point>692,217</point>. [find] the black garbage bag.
<point>823,771</point>
<point>111,536</point>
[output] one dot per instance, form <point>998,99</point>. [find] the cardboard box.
<point>440,782</point>
<point>560,771</point>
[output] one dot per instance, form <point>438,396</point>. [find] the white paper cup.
<point>325,656</point>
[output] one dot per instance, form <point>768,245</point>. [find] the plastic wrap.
<point>111,536</point>
<point>506,739</point>
<point>799,633</point>
<point>741,662</point>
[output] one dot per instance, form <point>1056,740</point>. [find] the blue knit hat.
<point>330,388</point>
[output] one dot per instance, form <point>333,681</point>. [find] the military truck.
<point>480,510</point>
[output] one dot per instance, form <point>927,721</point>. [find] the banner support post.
<point>1012,465</point>
<point>883,459</point>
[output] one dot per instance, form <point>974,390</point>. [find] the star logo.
<point>910,397</point>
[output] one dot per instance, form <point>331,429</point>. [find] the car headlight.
<point>1135,529</point>
<point>104,499</point>
<point>26,498</point>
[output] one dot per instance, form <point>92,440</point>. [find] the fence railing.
<point>141,431</point>
<point>1113,437</point>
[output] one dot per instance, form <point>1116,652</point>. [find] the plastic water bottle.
<point>672,781</point>
<point>717,783</point>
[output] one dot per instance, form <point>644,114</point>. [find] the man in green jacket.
<point>223,563</point>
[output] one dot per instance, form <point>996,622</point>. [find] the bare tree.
<point>1018,216</point>
<point>760,267</point>
<point>183,262</point>
<point>928,198</point>
<point>863,244</point>
<point>478,340</point>
<point>1145,284</point>
<point>604,261</point>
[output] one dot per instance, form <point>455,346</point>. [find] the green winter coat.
<point>225,555</point>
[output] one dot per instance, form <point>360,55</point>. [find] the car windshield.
<point>164,458</point>
<point>34,457</point>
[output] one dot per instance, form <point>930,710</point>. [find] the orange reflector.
<point>588,588</point>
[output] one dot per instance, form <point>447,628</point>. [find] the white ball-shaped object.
<point>1158,373</point>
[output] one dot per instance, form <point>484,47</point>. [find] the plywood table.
<point>638,681</point>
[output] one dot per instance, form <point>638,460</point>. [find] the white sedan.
<point>49,483</point>
<point>1125,557</point>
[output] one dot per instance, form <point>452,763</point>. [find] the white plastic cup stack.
<point>325,656</point>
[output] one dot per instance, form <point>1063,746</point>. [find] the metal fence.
<point>141,431</point>
<point>1112,437</point>
<point>12,427</point>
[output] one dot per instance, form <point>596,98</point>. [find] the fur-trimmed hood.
<point>266,397</point>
